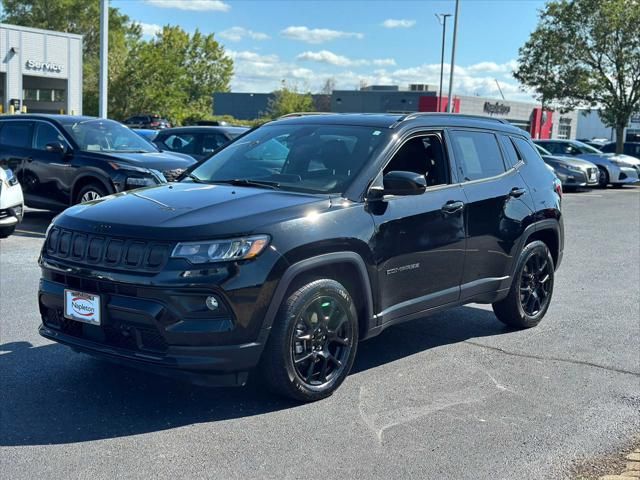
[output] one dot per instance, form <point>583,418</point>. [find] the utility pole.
<point>442,19</point>
<point>104,57</point>
<point>499,89</point>
<point>453,58</point>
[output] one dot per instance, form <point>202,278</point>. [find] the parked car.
<point>285,261</point>
<point>11,202</point>
<point>148,134</point>
<point>62,160</point>
<point>147,121</point>
<point>572,172</point>
<point>612,169</point>
<point>198,142</point>
<point>630,148</point>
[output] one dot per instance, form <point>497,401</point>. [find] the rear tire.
<point>531,289</point>
<point>90,192</point>
<point>313,342</point>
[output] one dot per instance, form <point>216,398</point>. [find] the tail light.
<point>557,186</point>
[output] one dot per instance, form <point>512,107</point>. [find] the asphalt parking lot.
<point>455,395</point>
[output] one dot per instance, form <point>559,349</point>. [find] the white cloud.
<point>192,5</point>
<point>150,29</point>
<point>317,35</point>
<point>235,34</point>
<point>330,58</point>
<point>398,23</point>
<point>264,73</point>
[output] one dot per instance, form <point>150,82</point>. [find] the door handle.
<point>517,192</point>
<point>452,206</point>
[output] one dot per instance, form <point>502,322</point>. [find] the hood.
<point>602,159</point>
<point>573,161</point>
<point>156,160</point>
<point>625,158</point>
<point>189,211</point>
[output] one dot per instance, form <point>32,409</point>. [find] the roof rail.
<point>413,115</point>
<point>302,114</point>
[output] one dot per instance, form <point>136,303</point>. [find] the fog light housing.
<point>212,303</point>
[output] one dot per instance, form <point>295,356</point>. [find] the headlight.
<point>574,168</point>
<point>221,250</point>
<point>141,181</point>
<point>11,179</point>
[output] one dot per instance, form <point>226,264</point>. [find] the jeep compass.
<point>299,239</point>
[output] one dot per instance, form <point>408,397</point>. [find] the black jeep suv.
<point>61,160</point>
<point>299,239</point>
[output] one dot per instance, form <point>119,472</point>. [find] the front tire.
<point>531,289</point>
<point>90,192</point>
<point>7,231</point>
<point>313,342</point>
<point>603,177</point>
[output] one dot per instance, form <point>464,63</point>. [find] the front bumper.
<point>166,330</point>
<point>625,176</point>
<point>11,216</point>
<point>575,178</point>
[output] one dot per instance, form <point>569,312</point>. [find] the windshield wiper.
<point>194,178</point>
<point>244,182</point>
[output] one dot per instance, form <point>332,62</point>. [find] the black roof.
<point>394,120</point>
<point>63,119</point>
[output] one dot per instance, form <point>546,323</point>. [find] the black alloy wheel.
<point>313,341</point>
<point>535,284</point>
<point>321,341</point>
<point>531,289</point>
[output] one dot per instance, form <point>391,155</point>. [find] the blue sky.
<point>374,42</point>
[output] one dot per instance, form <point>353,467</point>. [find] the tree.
<point>289,100</point>
<point>81,17</point>
<point>586,53</point>
<point>174,74</point>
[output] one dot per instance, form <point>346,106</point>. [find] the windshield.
<point>584,148</point>
<point>305,158</point>
<point>107,136</point>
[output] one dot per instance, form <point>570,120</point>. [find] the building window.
<point>30,94</point>
<point>564,131</point>
<point>59,95</point>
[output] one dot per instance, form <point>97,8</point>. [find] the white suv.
<point>11,202</point>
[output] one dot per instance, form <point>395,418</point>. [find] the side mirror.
<point>404,183</point>
<point>55,147</point>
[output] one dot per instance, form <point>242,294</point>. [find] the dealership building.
<point>416,98</point>
<point>41,71</point>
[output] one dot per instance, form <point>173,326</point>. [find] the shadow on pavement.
<point>50,395</point>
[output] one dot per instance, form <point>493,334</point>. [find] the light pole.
<point>453,58</point>
<point>442,19</point>
<point>104,57</point>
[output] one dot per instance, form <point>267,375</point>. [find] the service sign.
<point>44,66</point>
<point>82,307</point>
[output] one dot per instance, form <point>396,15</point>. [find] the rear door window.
<point>183,143</point>
<point>512,155</point>
<point>477,154</point>
<point>211,141</point>
<point>16,134</point>
<point>526,150</point>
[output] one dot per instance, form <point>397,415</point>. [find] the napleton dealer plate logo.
<point>82,306</point>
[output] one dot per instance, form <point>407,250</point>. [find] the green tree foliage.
<point>586,53</point>
<point>290,100</point>
<point>174,74</point>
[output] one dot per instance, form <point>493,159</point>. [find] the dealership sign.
<point>44,66</point>
<point>496,108</point>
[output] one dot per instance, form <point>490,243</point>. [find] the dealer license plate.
<point>82,307</point>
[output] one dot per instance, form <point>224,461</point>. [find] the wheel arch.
<point>345,267</point>
<point>548,231</point>
<point>86,179</point>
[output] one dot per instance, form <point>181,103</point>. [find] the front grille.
<point>592,174</point>
<point>4,213</point>
<point>105,251</point>
<point>115,334</point>
<point>172,175</point>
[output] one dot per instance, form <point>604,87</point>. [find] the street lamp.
<point>453,58</point>
<point>104,57</point>
<point>442,19</point>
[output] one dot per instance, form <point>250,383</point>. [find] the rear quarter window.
<point>477,154</point>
